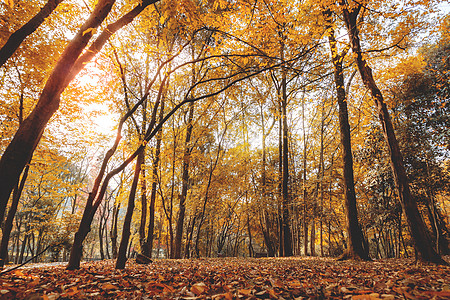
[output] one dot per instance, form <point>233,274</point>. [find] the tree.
<point>355,243</point>
<point>420,101</point>
<point>417,226</point>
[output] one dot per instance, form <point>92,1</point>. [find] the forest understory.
<point>232,278</point>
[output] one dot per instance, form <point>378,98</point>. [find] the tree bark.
<point>113,231</point>
<point>321,178</point>
<point>23,32</point>
<point>185,184</point>
<point>287,238</point>
<point>355,240</point>
<point>7,227</point>
<point>280,182</point>
<point>305,191</point>
<point>419,232</point>
<point>148,249</point>
<point>142,239</point>
<point>126,231</point>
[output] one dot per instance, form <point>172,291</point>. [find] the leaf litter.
<point>232,278</point>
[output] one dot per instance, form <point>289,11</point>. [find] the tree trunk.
<point>142,237</point>
<point>185,183</point>
<point>100,234</point>
<point>126,232</point>
<point>355,241</point>
<point>305,191</point>
<point>113,231</point>
<point>321,171</point>
<point>418,229</point>
<point>24,244</point>
<point>280,182</point>
<point>148,249</point>
<point>287,238</point>
<point>7,227</point>
<point>312,240</point>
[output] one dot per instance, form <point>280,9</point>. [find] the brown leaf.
<point>199,288</point>
<point>245,292</point>
<point>295,284</point>
<point>109,286</point>
<point>365,297</point>
<point>276,283</point>
<point>71,292</point>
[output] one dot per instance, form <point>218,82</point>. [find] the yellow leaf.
<point>90,30</point>
<point>162,19</point>
<point>10,3</point>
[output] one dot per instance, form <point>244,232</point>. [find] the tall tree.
<point>287,237</point>
<point>185,183</point>
<point>148,246</point>
<point>126,231</point>
<point>420,235</point>
<point>355,241</point>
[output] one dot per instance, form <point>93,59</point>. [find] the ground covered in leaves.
<point>232,278</point>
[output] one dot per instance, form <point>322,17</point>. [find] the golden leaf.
<point>90,30</point>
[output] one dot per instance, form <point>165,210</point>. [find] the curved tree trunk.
<point>419,232</point>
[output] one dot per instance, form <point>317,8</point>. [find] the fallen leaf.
<point>295,284</point>
<point>199,288</point>
<point>245,292</point>
<point>108,286</point>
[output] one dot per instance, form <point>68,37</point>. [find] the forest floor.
<point>232,278</point>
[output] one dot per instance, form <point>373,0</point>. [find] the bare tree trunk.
<point>148,246</point>
<point>7,227</point>
<point>418,229</point>
<point>287,237</point>
<point>142,239</point>
<point>113,231</point>
<point>126,232</point>
<point>100,233</point>
<point>185,183</point>
<point>312,242</point>
<point>305,191</point>
<point>280,181</point>
<point>321,171</point>
<point>355,241</point>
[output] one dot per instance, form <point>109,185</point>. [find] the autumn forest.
<point>191,129</point>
